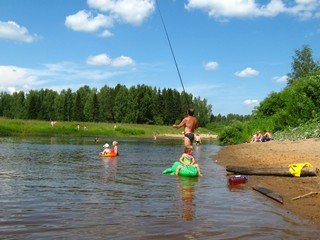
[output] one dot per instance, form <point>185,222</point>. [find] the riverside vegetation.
<point>293,113</point>
<point>16,127</point>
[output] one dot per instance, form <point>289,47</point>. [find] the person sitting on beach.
<point>106,149</point>
<point>266,136</point>
<point>187,159</point>
<point>256,137</point>
<point>115,148</point>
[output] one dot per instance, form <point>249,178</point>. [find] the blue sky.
<point>233,53</point>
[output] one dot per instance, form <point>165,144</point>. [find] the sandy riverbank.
<point>281,154</point>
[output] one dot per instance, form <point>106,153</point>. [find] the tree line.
<point>139,104</point>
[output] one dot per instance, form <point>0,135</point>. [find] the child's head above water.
<point>188,149</point>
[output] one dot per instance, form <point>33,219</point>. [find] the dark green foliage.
<point>140,104</point>
<point>232,134</point>
<point>303,64</point>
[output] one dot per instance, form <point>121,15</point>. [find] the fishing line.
<point>174,58</point>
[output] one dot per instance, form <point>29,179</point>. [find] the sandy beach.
<point>279,154</point>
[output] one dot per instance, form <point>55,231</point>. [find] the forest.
<point>139,104</point>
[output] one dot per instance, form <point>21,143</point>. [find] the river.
<point>59,188</point>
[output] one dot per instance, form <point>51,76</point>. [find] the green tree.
<point>80,100</point>
<point>106,97</point>
<point>133,107</point>
<point>32,104</point>
<point>303,64</point>
<point>18,109</point>
<point>91,107</point>
<point>120,108</point>
<point>6,105</point>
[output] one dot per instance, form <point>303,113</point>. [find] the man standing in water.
<point>190,123</point>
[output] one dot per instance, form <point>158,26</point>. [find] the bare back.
<point>190,123</point>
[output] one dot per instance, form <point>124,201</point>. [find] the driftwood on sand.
<point>269,193</point>
<point>305,195</point>
<point>305,172</point>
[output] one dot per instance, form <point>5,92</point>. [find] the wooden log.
<point>305,172</point>
<point>269,193</point>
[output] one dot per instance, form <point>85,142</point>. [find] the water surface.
<point>59,188</point>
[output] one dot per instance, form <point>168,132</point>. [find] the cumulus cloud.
<point>104,59</point>
<point>109,12</point>
<point>101,59</point>
<point>12,31</point>
<point>251,8</point>
<point>248,72</point>
<point>251,103</point>
<point>85,21</point>
<point>211,66</point>
<point>129,11</point>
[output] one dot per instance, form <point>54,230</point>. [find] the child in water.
<point>106,149</point>
<point>115,147</point>
<point>187,159</point>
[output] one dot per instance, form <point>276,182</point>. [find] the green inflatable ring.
<point>186,171</point>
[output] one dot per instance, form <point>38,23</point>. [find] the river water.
<point>59,188</point>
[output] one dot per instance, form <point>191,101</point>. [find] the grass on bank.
<point>16,127</point>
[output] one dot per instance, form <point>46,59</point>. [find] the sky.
<point>233,53</point>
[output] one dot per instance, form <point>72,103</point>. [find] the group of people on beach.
<point>258,137</point>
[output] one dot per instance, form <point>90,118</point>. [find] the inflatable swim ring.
<point>108,154</point>
<point>186,171</point>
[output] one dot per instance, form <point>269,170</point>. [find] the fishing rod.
<point>174,58</point>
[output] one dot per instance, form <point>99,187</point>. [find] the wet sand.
<point>279,154</point>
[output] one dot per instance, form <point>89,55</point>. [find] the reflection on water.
<point>59,188</point>
<point>186,187</point>
<point>110,164</point>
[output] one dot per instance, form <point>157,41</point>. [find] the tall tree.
<point>303,64</point>
<point>18,110</point>
<point>120,108</point>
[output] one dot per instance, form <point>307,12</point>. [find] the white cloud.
<point>122,61</point>
<point>251,8</point>
<point>129,11</point>
<point>101,59</point>
<point>251,103</point>
<point>248,72</point>
<point>12,31</point>
<point>104,59</point>
<point>56,76</point>
<point>282,79</point>
<point>106,33</point>
<point>211,66</point>
<point>85,21</point>
<point>13,77</point>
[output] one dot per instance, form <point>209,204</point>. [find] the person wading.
<point>190,123</point>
